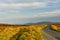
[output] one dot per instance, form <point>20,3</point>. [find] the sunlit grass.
<point>32,32</point>
<point>56,27</point>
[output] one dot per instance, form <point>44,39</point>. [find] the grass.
<point>32,32</point>
<point>24,32</point>
<point>56,27</point>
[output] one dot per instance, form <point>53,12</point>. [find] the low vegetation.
<point>24,32</point>
<point>56,27</point>
<point>31,32</point>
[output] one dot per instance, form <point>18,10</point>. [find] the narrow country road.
<point>48,37</point>
<point>51,34</point>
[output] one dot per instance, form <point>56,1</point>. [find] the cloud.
<point>18,1</point>
<point>27,3</point>
<point>52,3</point>
<point>20,5</point>
<point>11,16</point>
<point>21,19</point>
<point>40,15</point>
<point>48,14</point>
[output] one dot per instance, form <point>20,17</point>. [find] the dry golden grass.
<point>55,27</point>
<point>32,32</point>
<point>8,32</point>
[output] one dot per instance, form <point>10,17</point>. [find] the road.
<point>47,36</point>
<point>51,34</point>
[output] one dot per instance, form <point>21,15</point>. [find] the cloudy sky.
<point>27,11</point>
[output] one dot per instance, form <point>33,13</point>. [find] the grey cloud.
<point>17,1</point>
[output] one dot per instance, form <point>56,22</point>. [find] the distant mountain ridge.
<point>32,23</point>
<point>45,23</point>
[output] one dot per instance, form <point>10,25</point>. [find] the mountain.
<point>44,23</point>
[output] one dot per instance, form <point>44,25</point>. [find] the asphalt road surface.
<point>50,34</point>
